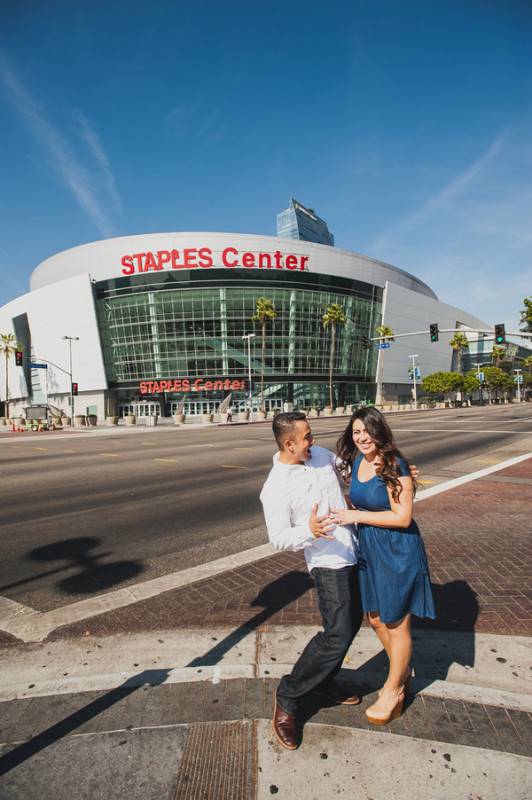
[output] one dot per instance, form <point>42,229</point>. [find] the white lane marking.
<point>453,430</point>
<point>167,460</point>
<point>471,476</point>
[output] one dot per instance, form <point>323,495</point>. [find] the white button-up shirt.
<point>287,498</point>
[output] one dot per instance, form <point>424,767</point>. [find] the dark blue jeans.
<point>341,613</point>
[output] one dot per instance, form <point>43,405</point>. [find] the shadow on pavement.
<point>54,733</point>
<point>273,597</point>
<point>93,576</point>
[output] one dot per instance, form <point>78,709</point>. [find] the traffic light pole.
<point>71,339</point>
<point>414,377</point>
<point>449,330</point>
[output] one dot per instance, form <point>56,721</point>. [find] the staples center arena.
<point>160,318</point>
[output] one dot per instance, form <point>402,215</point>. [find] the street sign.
<point>35,365</point>
<point>518,379</point>
<point>480,376</point>
<point>384,345</point>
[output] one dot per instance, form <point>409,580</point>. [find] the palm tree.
<point>334,316</point>
<point>459,343</point>
<point>527,364</point>
<point>498,354</point>
<point>264,313</point>
<point>385,334</point>
<point>8,346</point>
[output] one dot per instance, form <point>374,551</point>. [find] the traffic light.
<point>411,374</point>
<point>500,334</point>
<point>19,358</point>
<point>366,342</point>
<point>74,388</point>
<point>434,332</point>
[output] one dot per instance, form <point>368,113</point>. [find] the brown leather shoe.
<point>285,727</point>
<point>335,694</point>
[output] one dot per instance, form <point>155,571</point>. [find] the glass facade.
<point>165,326</point>
<point>299,222</point>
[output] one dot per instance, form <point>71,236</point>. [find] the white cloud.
<point>92,140</point>
<point>453,189</point>
<point>73,174</point>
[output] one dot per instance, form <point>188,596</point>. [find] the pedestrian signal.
<point>366,342</point>
<point>500,334</point>
<point>74,388</point>
<point>19,358</point>
<point>434,332</point>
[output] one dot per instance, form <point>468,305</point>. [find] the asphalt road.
<point>81,514</point>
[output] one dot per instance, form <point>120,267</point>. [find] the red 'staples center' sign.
<point>204,257</point>
<point>192,385</point>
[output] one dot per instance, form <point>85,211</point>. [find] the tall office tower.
<point>299,222</point>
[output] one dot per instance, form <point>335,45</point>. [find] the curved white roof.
<point>103,259</point>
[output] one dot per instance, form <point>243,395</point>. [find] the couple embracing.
<point>378,567</point>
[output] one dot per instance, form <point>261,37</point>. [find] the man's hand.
<point>320,526</point>
<point>414,472</point>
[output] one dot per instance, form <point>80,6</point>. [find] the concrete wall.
<point>63,308</point>
<point>406,311</point>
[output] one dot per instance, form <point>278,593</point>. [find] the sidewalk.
<point>170,696</point>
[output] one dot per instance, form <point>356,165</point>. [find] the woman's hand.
<point>343,516</point>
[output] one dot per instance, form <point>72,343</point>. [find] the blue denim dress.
<point>393,567</point>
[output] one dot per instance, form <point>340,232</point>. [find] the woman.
<point>393,568</point>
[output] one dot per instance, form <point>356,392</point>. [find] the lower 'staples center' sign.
<point>192,385</point>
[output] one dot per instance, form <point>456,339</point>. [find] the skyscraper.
<point>299,222</point>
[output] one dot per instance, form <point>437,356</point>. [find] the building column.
<point>292,333</point>
<point>223,321</point>
<point>154,335</point>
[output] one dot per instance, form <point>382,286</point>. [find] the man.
<point>299,491</point>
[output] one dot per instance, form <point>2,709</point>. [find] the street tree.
<point>526,315</point>
<point>264,312</point>
<point>496,381</point>
<point>443,383</point>
<point>8,346</point>
<point>385,334</point>
<point>460,344</point>
<point>334,317</point>
<point>471,383</point>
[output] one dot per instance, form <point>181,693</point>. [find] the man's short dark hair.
<point>283,424</point>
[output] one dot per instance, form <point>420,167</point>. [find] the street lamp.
<point>249,337</point>
<point>414,377</point>
<point>71,339</point>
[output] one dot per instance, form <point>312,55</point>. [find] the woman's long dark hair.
<point>381,435</point>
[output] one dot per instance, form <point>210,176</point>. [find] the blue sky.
<point>406,124</point>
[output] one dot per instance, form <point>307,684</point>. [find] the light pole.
<point>71,339</point>
<point>249,337</point>
<point>414,377</point>
<point>518,379</point>
<point>479,382</point>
